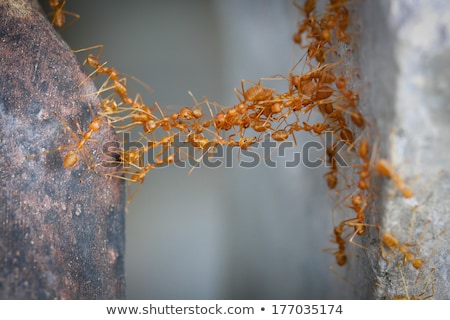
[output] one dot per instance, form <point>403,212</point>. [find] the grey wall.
<point>404,59</point>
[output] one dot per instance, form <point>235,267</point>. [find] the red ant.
<point>392,243</point>
<point>385,169</point>
<point>59,14</point>
<point>340,255</point>
<point>72,157</point>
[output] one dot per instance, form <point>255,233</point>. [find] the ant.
<point>392,243</point>
<point>309,6</point>
<point>349,96</point>
<point>118,84</point>
<point>262,126</point>
<point>257,93</point>
<point>243,143</point>
<point>280,135</point>
<point>364,174</point>
<point>340,255</point>
<point>332,175</point>
<point>72,157</point>
<point>359,203</point>
<point>309,21</point>
<point>385,169</point>
<point>59,14</point>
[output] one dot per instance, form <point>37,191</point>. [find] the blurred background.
<point>223,233</point>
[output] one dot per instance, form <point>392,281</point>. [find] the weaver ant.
<point>385,169</point>
<point>72,157</point>
<point>59,14</point>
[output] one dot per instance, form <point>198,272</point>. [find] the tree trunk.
<point>59,238</point>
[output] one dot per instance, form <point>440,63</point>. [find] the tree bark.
<point>59,238</point>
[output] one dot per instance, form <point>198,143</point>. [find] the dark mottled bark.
<point>59,238</point>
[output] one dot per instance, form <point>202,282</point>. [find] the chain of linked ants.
<point>323,88</point>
